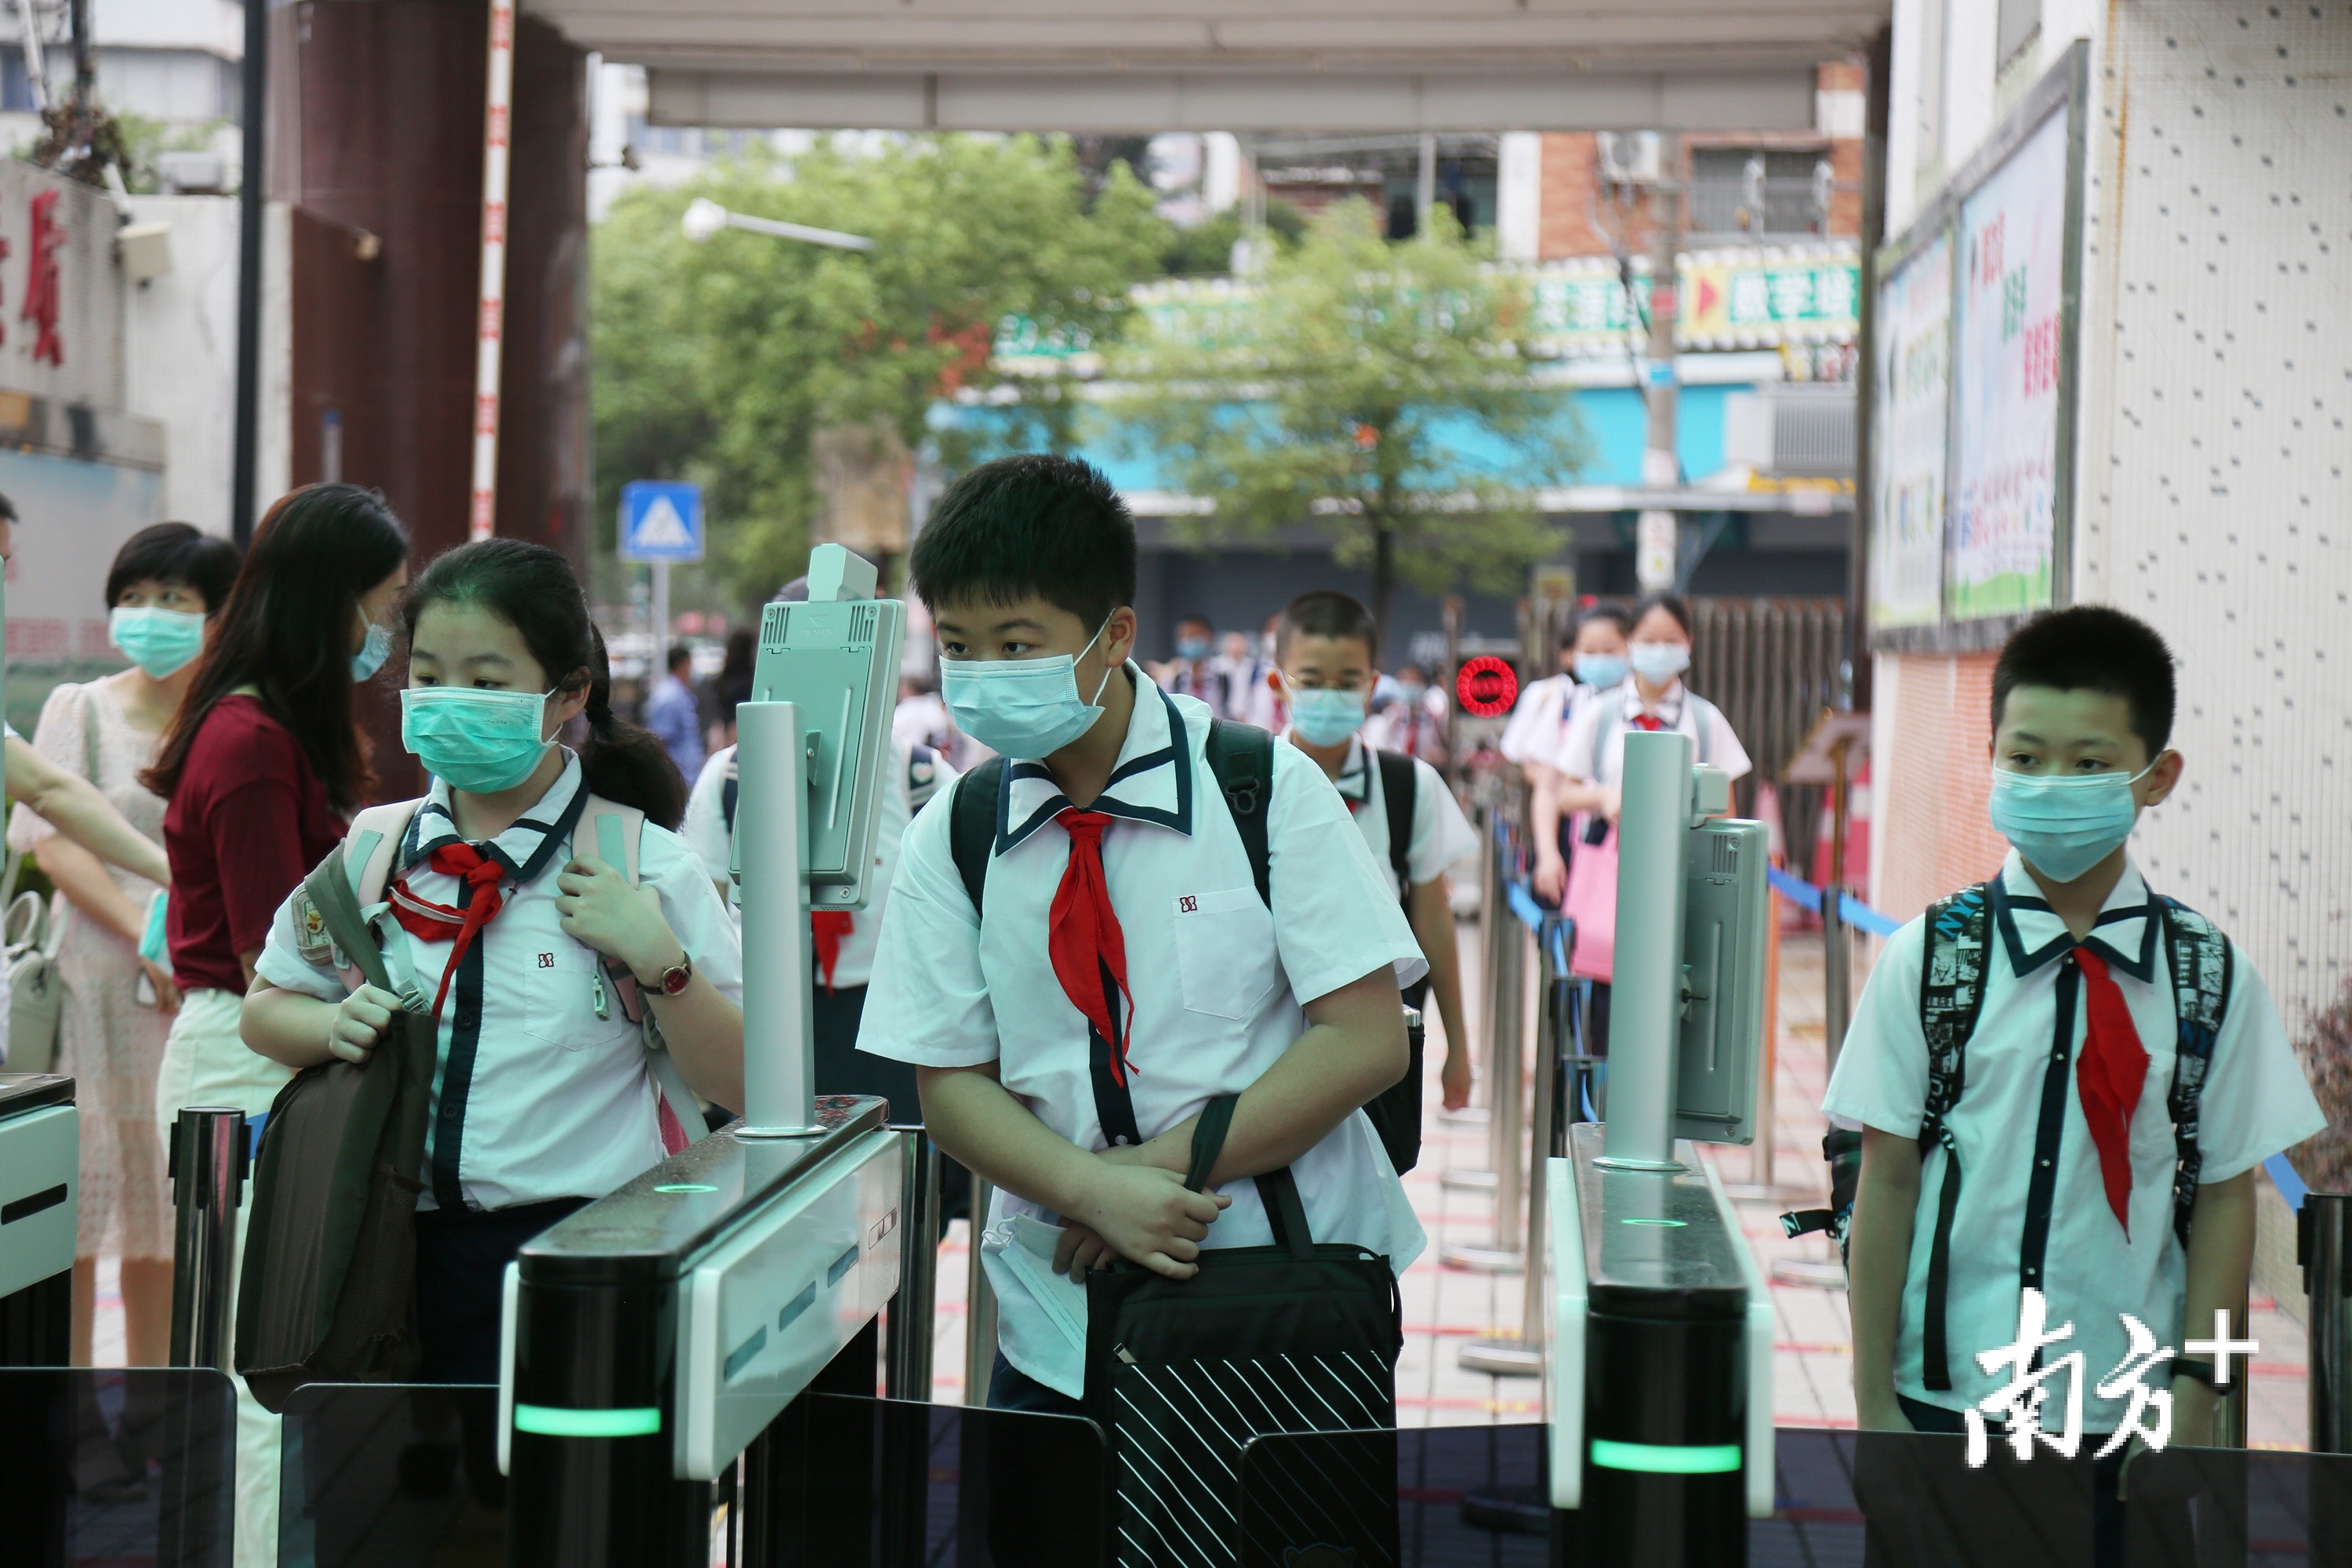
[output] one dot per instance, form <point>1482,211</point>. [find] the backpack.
<point>1395,1111</point>
<point>1957,947</point>
<point>327,1293</point>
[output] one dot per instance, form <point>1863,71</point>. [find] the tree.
<point>1382,389</point>
<point>722,361</point>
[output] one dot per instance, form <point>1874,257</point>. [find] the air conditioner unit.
<point>1630,158</point>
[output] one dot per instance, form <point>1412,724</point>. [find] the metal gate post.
<point>208,1164</point>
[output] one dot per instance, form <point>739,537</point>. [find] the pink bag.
<point>1591,902</point>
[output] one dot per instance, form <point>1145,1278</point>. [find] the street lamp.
<point>705,217</point>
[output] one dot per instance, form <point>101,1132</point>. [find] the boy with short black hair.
<point>2101,1063</point>
<point>1327,652</point>
<point>1108,953</point>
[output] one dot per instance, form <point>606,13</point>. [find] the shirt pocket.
<point>559,998</point>
<point>1224,951</point>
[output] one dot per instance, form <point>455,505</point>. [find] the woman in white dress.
<point>118,1006</point>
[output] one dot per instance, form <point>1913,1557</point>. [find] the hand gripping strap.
<point>1951,994</point>
<point>1278,1190</point>
<point>2201,973</point>
<point>618,832</point>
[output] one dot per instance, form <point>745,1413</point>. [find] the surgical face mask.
<point>2064,824</point>
<point>1025,707</point>
<point>1601,669</point>
<point>1324,718</point>
<point>159,641</point>
<point>1191,649</point>
<point>476,741</point>
<point>370,657</point>
<point>1659,662</point>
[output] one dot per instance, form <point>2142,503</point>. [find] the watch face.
<point>676,980</point>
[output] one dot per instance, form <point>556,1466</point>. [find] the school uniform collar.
<point>1669,710</point>
<point>1355,780</point>
<point>526,846</point>
<point>2125,933</point>
<point>1151,782</point>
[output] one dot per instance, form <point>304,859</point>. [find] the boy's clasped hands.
<point>1140,1208</point>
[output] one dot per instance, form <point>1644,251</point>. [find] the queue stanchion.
<point>2324,1247</point>
<point>1522,1355</point>
<point>209,1158</point>
<point>980,1303</point>
<point>1507,1093</point>
<point>1491,916</point>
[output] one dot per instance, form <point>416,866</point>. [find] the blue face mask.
<point>1659,662</point>
<point>2064,824</point>
<point>1191,649</point>
<point>476,741</point>
<point>159,641</point>
<point>1325,718</point>
<point>370,657</point>
<point>1023,708</point>
<point>1601,669</point>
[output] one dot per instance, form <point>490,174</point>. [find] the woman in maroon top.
<point>260,768</point>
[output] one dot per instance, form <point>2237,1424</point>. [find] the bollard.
<point>209,1157</point>
<point>979,1304</point>
<point>2321,1246</point>
<point>907,1358</point>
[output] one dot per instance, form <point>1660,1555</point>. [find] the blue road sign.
<point>661,519</point>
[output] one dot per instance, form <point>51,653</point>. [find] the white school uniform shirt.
<point>1539,718</point>
<point>707,831</point>
<point>1218,979</point>
<point>1442,836</point>
<point>1592,746</point>
<point>2254,1103</point>
<point>553,1102</point>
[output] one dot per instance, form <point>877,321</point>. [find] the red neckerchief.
<point>1649,721</point>
<point>2109,1078</point>
<point>1084,940</point>
<point>829,927</point>
<point>428,922</point>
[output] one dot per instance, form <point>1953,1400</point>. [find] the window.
<point>1725,191</point>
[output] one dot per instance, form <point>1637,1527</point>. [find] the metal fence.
<point>1772,665</point>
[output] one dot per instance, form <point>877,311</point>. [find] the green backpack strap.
<point>2202,968</point>
<point>972,825</point>
<point>1242,758</point>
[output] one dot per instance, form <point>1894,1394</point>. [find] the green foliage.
<point>1344,397</point>
<point>1207,247</point>
<point>718,361</point>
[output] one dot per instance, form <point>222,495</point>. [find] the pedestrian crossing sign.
<point>661,519</point>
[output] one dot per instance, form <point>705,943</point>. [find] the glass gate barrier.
<point>113,1465</point>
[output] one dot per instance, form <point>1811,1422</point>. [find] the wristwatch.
<point>677,977</point>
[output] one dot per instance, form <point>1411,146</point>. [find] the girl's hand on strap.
<point>360,1021</point>
<point>598,907</point>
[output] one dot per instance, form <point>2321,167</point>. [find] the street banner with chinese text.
<point>1914,381</point>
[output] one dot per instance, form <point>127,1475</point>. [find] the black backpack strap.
<point>972,827</point>
<point>1951,994</point>
<point>2201,972</point>
<point>1242,758</point>
<point>1400,793</point>
<point>1285,1212</point>
<point>731,790</point>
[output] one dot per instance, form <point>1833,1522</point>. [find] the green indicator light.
<point>551,1421</point>
<point>1645,1219</point>
<point>1664,1458</point>
<point>686,1187</point>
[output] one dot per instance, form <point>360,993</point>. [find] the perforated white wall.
<point>2212,496</point>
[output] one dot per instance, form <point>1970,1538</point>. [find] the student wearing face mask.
<point>2113,1171</point>
<point>1590,763</point>
<point>260,768</point>
<point>118,1004</point>
<point>1410,820</point>
<point>1592,664</point>
<point>1196,671</point>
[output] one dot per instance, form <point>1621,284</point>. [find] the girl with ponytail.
<point>534,951</point>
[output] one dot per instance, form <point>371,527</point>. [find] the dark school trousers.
<point>843,1068</point>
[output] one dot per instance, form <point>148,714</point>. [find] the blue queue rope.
<point>1851,910</point>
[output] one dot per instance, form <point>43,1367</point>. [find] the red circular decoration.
<point>1487,686</point>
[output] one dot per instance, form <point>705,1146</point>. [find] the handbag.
<point>1591,899</point>
<point>328,1291</point>
<point>1182,1373</point>
<point>37,988</point>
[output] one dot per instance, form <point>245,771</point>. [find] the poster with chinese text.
<point>1913,379</point>
<point>2005,376</point>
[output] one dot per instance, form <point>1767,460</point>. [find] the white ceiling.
<point>1150,65</point>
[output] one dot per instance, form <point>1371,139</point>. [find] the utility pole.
<point>1655,540</point>
<point>245,465</point>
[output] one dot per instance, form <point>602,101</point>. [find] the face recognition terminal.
<point>40,1186</point>
<point>1658,1386</point>
<point>653,1335</point>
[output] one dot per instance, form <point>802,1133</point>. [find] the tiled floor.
<point>1447,1307</point>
